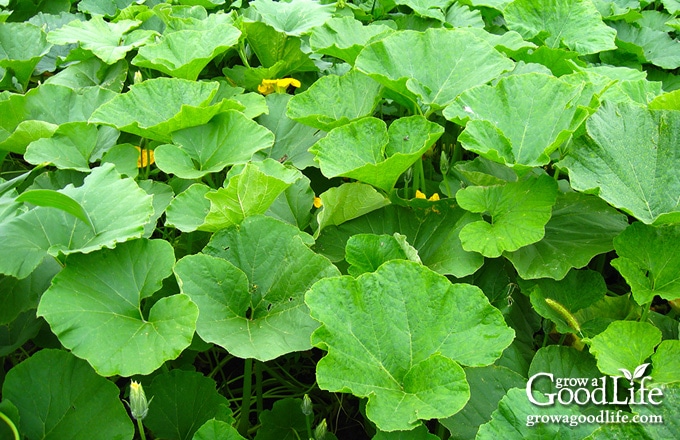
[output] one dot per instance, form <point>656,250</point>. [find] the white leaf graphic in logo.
<point>626,373</point>
<point>639,371</point>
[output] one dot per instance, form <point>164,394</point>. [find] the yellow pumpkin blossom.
<point>277,85</point>
<point>145,157</point>
<point>421,195</point>
<point>317,202</point>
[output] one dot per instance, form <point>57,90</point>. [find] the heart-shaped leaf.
<point>98,297</point>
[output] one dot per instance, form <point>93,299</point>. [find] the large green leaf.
<point>488,385</point>
<point>38,113</point>
<point>665,367</point>
<point>333,100</point>
<point>157,107</point>
<point>293,17</point>
<point>250,190</point>
<point>22,45</point>
<point>624,344</point>
<point>292,139</point>
<point>346,202</point>
<point>60,397</point>
<point>344,37</point>
<point>250,286</point>
<point>520,120</point>
<point>72,146</point>
<point>558,300</point>
<point>17,296</point>
<point>182,402</point>
<point>218,430</point>
<point>428,8</point>
<point>370,152</point>
<point>98,297</point>
<point>416,65</point>
<point>433,230</point>
<point>285,421</point>
<point>649,261</point>
<point>366,252</point>
<point>516,419</point>
<point>519,212</point>
<point>188,209</point>
<point>561,361</point>
<point>387,331</point>
<point>630,159</point>
<point>110,42</point>
<point>117,209</point>
<point>574,24</point>
<point>16,333</point>
<point>229,138</point>
<point>184,53</point>
<point>648,45</point>
<point>581,226</point>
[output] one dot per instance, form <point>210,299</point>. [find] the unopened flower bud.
<point>137,77</point>
<point>321,430</point>
<point>306,406</point>
<point>139,407</point>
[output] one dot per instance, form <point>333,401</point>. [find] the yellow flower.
<point>145,157</point>
<point>277,85</point>
<point>420,195</point>
<point>317,202</point>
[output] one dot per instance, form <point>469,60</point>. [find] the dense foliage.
<point>363,219</point>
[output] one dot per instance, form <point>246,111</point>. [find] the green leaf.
<point>567,243</point>
<point>648,45</point>
<point>428,8</point>
<point>217,430</point>
<point>292,139</point>
<point>117,217</point>
<point>184,53</point>
<point>294,17</point>
<point>488,385</point>
<point>285,421</point>
<point>32,116</point>
<point>370,152</point>
<point>649,261</point>
<point>334,100</point>
<point>59,396</point>
<point>520,120</point>
<point>574,24</point>
<point>558,300</point>
<point>249,288</point>
<point>17,296</point>
<point>629,159</point>
<point>72,146</point>
<point>188,209</point>
<point>105,40</point>
<point>414,65</point>
<point>344,37</point>
<point>386,331</point>
<point>157,107</point>
<point>277,51</point>
<point>108,8</point>
<point>182,402</point>
<point>667,411</point>
<point>250,190</point>
<point>561,361</point>
<point>433,230</point>
<point>418,433</point>
<point>366,252</point>
<point>346,202</point>
<point>519,212</point>
<point>92,72</point>
<point>97,297</point>
<point>665,362</point>
<point>624,344</point>
<point>18,332</point>
<point>515,419</point>
<point>22,46</point>
<point>228,138</point>
<point>294,205</point>
<point>53,199</point>
<point>162,196</point>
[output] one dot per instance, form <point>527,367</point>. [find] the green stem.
<point>645,312</point>
<point>258,387</point>
<point>141,429</point>
<point>419,175</point>
<point>11,426</point>
<point>245,402</point>
<point>308,421</point>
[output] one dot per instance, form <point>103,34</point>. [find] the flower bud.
<point>321,430</point>
<point>306,406</point>
<point>138,404</point>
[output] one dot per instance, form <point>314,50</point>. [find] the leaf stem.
<point>258,387</point>
<point>12,426</point>
<point>645,311</point>
<point>140,426</point>
<point>245,401</point>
